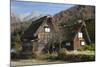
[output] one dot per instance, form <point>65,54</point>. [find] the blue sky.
<point>22,7</point>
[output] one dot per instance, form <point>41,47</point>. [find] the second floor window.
<point>47,29</point>
<point>80,35</point>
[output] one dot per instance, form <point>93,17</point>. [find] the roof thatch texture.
<point>29,33</point>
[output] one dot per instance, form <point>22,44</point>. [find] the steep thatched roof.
<point>29,33</point>
<point>70,30</point>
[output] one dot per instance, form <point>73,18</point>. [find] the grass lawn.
<point>53,61</point>
<point>82,52</point>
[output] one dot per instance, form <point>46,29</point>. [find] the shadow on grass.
<point>64,58</point>
<point>72,58</point>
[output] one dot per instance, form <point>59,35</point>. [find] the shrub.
<point>62,53</point>
<point>25,55</point>
<point>90,47</point>
<point>13,56</point>
<point>42,56</point>
<point>79,58</point>
<point>80,49</point>
<point>34,55</point>
<point>87,58</point>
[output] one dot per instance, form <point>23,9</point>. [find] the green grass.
<point>90,47</point>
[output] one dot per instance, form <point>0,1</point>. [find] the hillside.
<point>85,12</point>
<point>23,20</point>
<point>71,16</point>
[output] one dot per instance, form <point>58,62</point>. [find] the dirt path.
<point>33,62</point>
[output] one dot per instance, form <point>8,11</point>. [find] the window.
<point>80,34</point>
<point>82,43</point>
<point>67,44</point>
<point>79,21</point>
<point>47,29</point>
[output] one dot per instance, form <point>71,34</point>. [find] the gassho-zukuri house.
<point>44,35</point>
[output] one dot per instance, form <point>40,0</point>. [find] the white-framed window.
<point>80,35</point>
<point>79,21</point>
<point>67,44</point>
<point>82,43</point>
<point>47,29</point>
